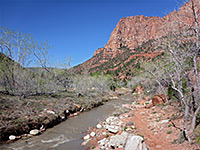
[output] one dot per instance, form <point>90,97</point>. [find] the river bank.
<point>68,134</point>
<point>19,116</point>
<point>157,126</point>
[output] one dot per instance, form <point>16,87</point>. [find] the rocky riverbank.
<point>140,126</point>
<point>29,116</point>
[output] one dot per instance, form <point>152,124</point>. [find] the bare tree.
<point>19,51</point>
<point>182,44</point>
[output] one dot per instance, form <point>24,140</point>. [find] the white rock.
<point>84,143</point>
<point>92,134</point>
<point>155,133</point>
<point>102,142</point>
<point>117,122</point>
<point>133,127</point>
<point>87,137</point>
<point>120,146</point>
<point>42,127</point>
<point>99,126</point>
<point>126,116</point>
<point>34,132</point>
<point>164,121</point>
<point>111,119</point>
<point>12,137</point>
<point>158,146</point>
<point>104,133</point>
<point>129,129</point>
<point>118,140</point>
<point>50,112</point>
<point>113,129</point>
<point>121,117</point>
<point>114,98</point>
<point>135,143</point>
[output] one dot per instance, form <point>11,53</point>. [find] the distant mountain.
<point>133,40</point>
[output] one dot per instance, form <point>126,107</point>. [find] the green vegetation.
<point>169,132</point>
<point>125,128</point>
<point>141,135</point>
<point>169,125</point>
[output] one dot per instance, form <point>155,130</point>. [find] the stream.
<point>68,134</point>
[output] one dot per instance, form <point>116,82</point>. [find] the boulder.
<point>117,141</point>
<point>113,129</point>
<point>135,143</point>
<point>12,137</point>
<point>102,142</point>
<point>114,121</point>
<point>164,121</point>
<point>92,134</point>
<point>99,126</point>
<point>87,137</point>
<point>84,143</point>
<point>158,99</point>
<point>109,120</point>
<point>50,112</point>
<point>34,132</point>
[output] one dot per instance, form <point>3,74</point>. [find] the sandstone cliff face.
<point>131,32</point>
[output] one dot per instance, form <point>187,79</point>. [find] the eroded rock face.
<point>131,32</point>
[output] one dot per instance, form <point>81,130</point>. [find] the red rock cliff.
<point>133,31</point>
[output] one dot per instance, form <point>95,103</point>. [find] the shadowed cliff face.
<point>131,32</point>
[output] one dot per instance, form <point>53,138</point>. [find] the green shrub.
<point>169,132</point>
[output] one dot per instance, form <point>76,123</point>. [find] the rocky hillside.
<point>133,40</point>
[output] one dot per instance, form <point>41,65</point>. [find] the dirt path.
<point>159,135</point>
<point>158,141</point>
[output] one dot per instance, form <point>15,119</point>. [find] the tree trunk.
<point>185,132</point>
<point>194,118</point>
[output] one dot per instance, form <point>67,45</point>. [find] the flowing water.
<point>68,134</point>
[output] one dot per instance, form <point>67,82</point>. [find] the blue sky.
<point>75,28</point>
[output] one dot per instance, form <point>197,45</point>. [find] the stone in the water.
<point>12,137</point>
<point>87,137</point>
<point>92,134</point>
<point>99,126</point>
<point>84,143</point>
<point>34,132</point>
<point>136,143</point>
